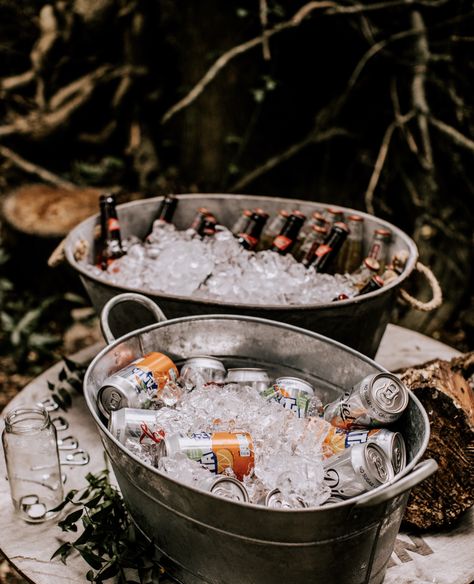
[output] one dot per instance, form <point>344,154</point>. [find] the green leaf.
<point>62,375</point>
<point>51,385</point>
<point>93,502</point>
<point>94,560</point>
<point>70,520</point>
<point>65,396</point>
<point>71,365</point>
<point>63,550</point>
<point>90,576</point>
<point>109,571</point>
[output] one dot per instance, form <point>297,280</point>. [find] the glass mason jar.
<point>32,460</point>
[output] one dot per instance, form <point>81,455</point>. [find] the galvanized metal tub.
<point>213,540</point>
<point>359,322</point>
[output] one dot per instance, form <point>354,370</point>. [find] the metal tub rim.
<point>347,503</point>
<point>409,267</point>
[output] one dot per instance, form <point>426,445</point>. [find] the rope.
<point>437,294</point>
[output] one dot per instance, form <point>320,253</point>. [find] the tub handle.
<point>421,472</point>
<point>127,297</point>
<point>437,294</point>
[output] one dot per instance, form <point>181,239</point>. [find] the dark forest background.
<point>362,105</point>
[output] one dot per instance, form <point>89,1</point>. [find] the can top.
<point>295,383</point>
<point>202,361</point>
<point>229,488</point>
<point>399,453</point>
<point>275,500</point>
<point>377,464</point>
<point>116,394</point>
<point>238,374</point>
<point>389,393</point>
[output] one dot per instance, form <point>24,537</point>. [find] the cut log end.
<point>444,390</point>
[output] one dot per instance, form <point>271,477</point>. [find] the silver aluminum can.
<point>254,377</point>
<point>137,425</point>
<point>137,385</point>
<point>204,368</point>
<point>227,487</point>
<point>392,443</point>
<point>292,393</point>
<point>275,500</point>
<point>378,399</point>
<point>356,470</point>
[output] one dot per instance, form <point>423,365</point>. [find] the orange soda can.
<point>216,452</point>
<point>137,385</point>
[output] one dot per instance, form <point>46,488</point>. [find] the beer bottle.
<point>274,228</point>
<point>379,245</point>
<point>334,215</point>
<point>199,218</point>
<point>250,237</point>
<point>208,226</point>
<point>242,222</point>
<point>375,283</point>
<point>350,255</point>
<point>311,242</point>
<point>327,252</point>
<point>391,273</point>
<point>111,241</point>
<point>285,241</point>
<point>166,209</point>
<point>364,273</point>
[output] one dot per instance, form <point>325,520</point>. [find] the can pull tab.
<point>60,423</point>
<point>68,443</point>
<point>389,393</point>
<point>49,404</point>
<point>75,458</point>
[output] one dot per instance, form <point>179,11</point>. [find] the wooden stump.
<point>445,389</point>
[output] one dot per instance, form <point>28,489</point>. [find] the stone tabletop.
<point>29,547</point>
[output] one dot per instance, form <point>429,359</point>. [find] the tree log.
<point>443,387</point>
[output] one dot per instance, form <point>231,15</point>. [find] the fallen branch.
<point>31,168</point>
<point>17,81</point>
<point>274,161</point>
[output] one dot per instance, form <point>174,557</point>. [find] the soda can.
<point>275,500</point>
<point>254,377</point>
<point>216,452</point>
<point>356,470</point>
<point>292,393</point>
<point>376,400</point>
<point>138,385</point>
<point>202,368</point>
<point>227,487</point>
<point>392,443</point>
<point>137,425</point>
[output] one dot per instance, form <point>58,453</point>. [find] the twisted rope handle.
<point>437,294</point>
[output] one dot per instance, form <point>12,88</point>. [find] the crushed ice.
<point>287,449</point>
<point>218,268</point>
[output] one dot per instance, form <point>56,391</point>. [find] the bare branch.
<point>419,101</point>
<point>271,163</point>
<point>381,157</point>
<point>454,134</point>
<point>263,13</point>
<point>329,7</point>
<point>31,168</point>
<point>17,81</point>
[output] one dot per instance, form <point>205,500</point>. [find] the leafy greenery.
<point>70,376</point>
<point>108,542</point>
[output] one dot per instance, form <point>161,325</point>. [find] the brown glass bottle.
<point>167,209</point>
<point>285,241</point>
<point>242,222</point>
<point>312,241</point>
<point>208,226</point>
<point>274,228</point>
<point>327,252</point>
<point>379,245</point>
<point>250,237</point>
<point>375,283</point>
<point>199,218</point>
<point>334,215</point>
<point>350,256</point>
<point>111,240</point>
